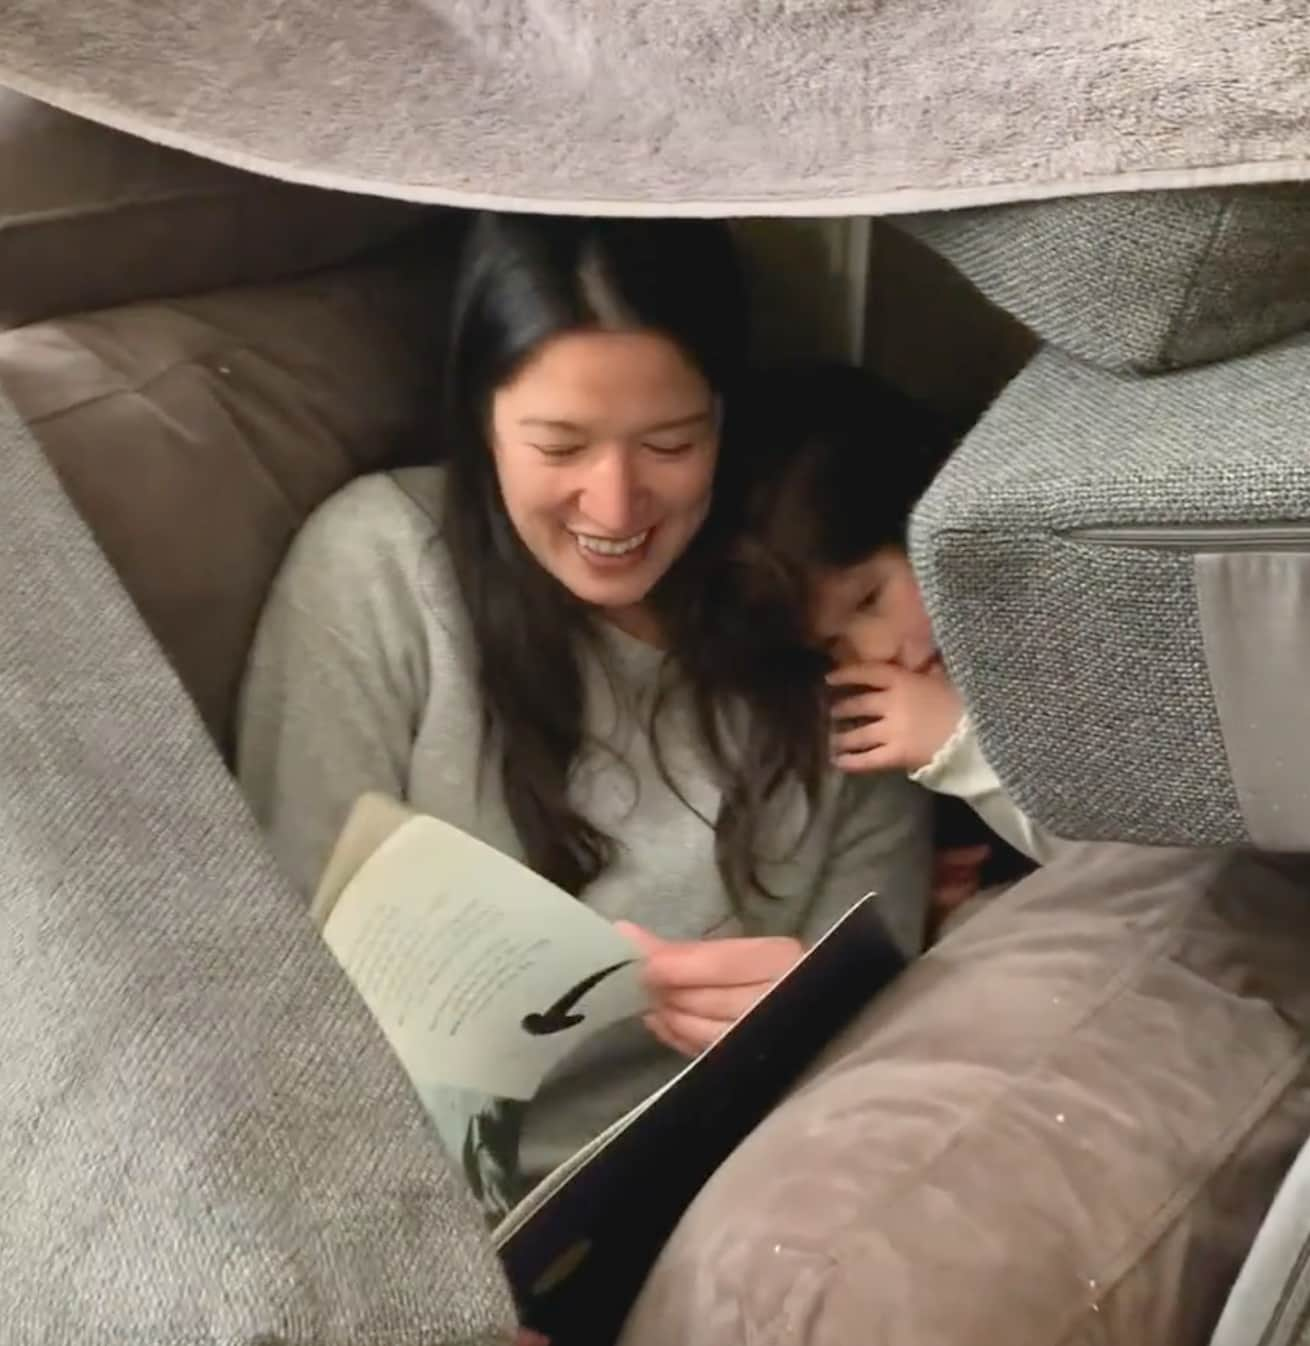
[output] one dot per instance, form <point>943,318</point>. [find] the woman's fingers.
<point>657,1024</point>
<point>699,988</point>
<point>719,1004</point>
<point>641,937</point>
<point>687,1033</point>
<point>719,963</point>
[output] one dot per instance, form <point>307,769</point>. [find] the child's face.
<point>873,612</point>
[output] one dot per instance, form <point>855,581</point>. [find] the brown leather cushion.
<point>1062,1126</point>
<point>196,435</point>
<point>90,217</point>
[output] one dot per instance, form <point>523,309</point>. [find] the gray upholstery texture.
<point>206,1139</point>
<point>1147,281</point>
<point>1085,661</point>
<point>1270,1301</point>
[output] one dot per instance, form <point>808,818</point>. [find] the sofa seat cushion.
<point>1063,1125</point>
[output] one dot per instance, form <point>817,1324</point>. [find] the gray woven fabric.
<point>1270,1300</point>
<point>205,1139</point>
<point>725,106</point>
<point>1147,280</point>
<point>1083,662</point>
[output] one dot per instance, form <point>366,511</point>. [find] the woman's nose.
<point>611,493</point>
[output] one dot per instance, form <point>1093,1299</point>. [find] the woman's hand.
<point>910,716</point>
<point>700,988</point>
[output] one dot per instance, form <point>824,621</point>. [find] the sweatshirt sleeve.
<point>337,677</point>
<point>960,769</point>
<point>882,844</point>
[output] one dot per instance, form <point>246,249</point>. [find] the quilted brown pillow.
<point>196,435</point>
<point>1062,1126</point>
<point>90,217</point>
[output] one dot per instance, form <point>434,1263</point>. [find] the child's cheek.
<point>870,640</point>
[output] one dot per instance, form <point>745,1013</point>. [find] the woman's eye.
<point>869,601</point>
<point>671,450</point>
<point>558,450</point>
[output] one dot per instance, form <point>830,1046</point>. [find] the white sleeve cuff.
<point>958,766</point>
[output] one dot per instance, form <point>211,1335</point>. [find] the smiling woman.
<point>547,643</point>
<point>605,445</point>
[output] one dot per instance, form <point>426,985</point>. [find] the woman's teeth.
<point>611,546</point>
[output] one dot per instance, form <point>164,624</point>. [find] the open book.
<point>484,976</point>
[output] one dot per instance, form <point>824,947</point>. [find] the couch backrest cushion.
<point>1144,281</point>
<point>196,435</point>
<point>1119,572</point>
<point>206,1138</point>
<point>90,217</point>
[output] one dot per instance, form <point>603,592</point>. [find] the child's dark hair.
<point>840,457</point>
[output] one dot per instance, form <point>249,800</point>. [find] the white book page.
<point>481,973</point>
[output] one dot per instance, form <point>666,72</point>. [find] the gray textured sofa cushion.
<point>206,1141</point>
<point>1146,281</point>
<point>1270,1302</point>
<point>1134,685</point>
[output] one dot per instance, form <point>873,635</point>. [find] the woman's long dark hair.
<point>522,281</point>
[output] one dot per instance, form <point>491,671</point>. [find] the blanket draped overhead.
<point>768,107</point>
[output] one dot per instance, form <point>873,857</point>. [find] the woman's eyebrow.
<point>568,427</point>
<point>541,423</point>
<point>680,423</point>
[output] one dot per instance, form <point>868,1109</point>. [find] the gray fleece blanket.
<point>711,106</point>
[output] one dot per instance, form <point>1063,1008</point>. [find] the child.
<point>842,458</point>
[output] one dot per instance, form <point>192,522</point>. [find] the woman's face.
<point>605,446</point>
<point>873,612</point>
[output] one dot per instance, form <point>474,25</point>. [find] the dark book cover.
<point>578,1261</point>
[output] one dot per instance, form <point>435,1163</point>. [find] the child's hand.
<point>699,988</point>
<point>911,715</point>
<point>956,877</point>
